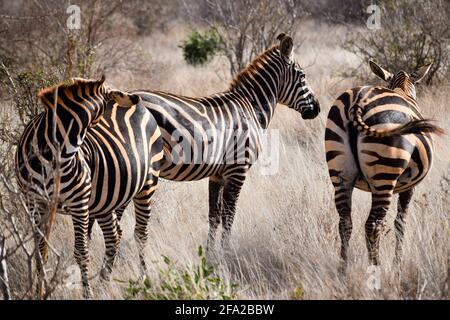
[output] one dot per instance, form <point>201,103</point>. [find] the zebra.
<point>221,134</point>
<point>90,152</point>
<point>377,140</point>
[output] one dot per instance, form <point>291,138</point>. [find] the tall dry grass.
<point>285,234</point>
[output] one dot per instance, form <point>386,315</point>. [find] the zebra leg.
<point>90,226</point>
<point>343,172</point>
<point>376,222</point>
<point>119,214</point>
<point>80,218</point>
<point>108,224</point>
<point>215,209</point>
<point>120,210</point>
<point>402,208</point>
<point>231,190</point>
<point>343,201</point>
<point>41,254</point>
<point>142,205</point>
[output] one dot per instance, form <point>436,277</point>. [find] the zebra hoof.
<point>342,268</point>
<point>87,293</point>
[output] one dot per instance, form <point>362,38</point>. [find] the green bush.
<point>195,282</point>
<point>198,48</point>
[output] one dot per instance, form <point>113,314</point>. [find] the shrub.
<point>248,27</point>
<point>200,48</point>
<point>195,282</point>
<point>410,36</point>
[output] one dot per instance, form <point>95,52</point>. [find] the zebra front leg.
<point>215,209</point>
<point>142,205</point>
<point>108,224</point>
<point>231,191</point>
<point>90,226</point>
<point>119,214</point>
<point>80,218</point>
<point>376,223</point>
<point>38,211</point>
<point>404,199</point>
<point>41,252</point>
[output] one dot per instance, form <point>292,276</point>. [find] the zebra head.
<point>78,101</point>
<point>76,105</point>
<point>86,98</point>
<point>401,79</point>
<point>294,90</point>
<point>123,99</point>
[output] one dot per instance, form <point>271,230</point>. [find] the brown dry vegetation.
<point>285,234</point>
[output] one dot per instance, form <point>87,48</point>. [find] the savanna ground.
<point>285,241</point>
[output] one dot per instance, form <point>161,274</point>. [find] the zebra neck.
<point>263,102</point>
<point>411,100</point>
<point>63,135</point>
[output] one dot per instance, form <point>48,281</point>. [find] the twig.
<point>4,282</point>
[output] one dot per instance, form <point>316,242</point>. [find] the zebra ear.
<point>124,99</point>
<point>420,73</point>
<point>380,72</point>
<point>286,46</point>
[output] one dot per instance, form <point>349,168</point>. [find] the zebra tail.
<point>414,126</point>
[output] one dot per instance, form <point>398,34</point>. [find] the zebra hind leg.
<point>376,222</point>
<point>402,208</point>
<point>108,224</point>
<point>215,210</point>
<point>343,173</point>
<point>343,202</point>
<point>142,205</point>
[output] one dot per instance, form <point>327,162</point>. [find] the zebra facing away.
<point>220,136</point>
<point>90,152</point>
<point>377,140</point>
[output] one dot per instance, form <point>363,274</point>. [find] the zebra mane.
<point>252,68</point>
<point>67,85</point>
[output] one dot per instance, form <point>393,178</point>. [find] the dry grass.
<point>285,234</point>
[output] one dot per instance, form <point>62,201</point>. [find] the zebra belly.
<point>200,164</point>
<point>189,172</point>
<point>196,157</point>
